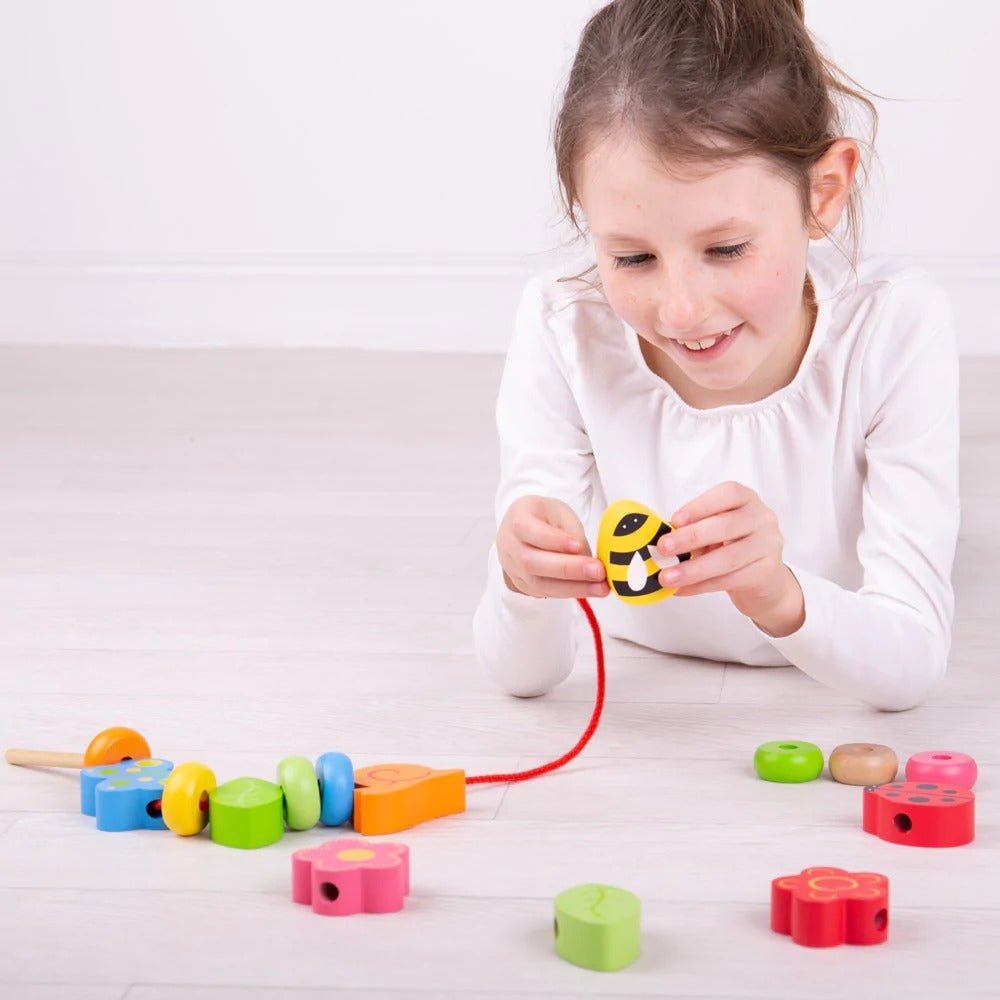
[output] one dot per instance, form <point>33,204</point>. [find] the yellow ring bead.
<point>184,804</point>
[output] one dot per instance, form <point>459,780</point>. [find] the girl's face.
<point>707,265</point>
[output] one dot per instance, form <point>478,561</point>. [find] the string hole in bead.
<point>330,891</point>
<point>155,809</point>
<point>903,822</point>
<point>941,756</point>
<point>203,802</point>
<point>881,919</point>
<point>789,746</point>
<point>555,928</point>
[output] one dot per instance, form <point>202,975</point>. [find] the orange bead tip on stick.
<point>392,797</point>
<point>109,746</point>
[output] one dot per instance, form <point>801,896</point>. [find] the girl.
<point>792,411</point>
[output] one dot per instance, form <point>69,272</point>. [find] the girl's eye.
<point>736,250</point>
<point>634,260</point>
<point>730,252</point>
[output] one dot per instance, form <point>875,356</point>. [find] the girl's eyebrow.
<point>719,227</point>
<point>733,223</point>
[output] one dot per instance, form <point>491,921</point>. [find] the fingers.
<point>546,574</point>
<point>725,496</point>
<point>709,532</point>
<point>732,548</point>
<point>548,587</point>
<point>729,567</point>
<point>546,537</point>
<point>541,565</point>
<point>544,552</point>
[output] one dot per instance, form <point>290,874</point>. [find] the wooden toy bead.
<point>393,797</point>
<point>626,544</point>
<point>823,907</point>
<point>335,774</point>
<point>863,764</point>
<point>342,877</point>
<point>597,926</point>
<point>920,814</point>
<point>246,813</point>
<point>125,796</point>
<point>788,761</point>
<point>943,767</point>
<point>109,746</point>
<point>301,791</point>
<point>185,798</point>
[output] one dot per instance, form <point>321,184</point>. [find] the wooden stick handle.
<point>45,758</point>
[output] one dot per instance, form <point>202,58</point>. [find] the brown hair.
<point>707,80</point>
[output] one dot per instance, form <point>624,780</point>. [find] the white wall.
<point>330,172</point>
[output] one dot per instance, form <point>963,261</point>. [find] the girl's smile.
<point>707,348</point>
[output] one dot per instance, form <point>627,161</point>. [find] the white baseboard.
<point>403,303</point>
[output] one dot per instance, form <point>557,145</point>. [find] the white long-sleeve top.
<point>857,455</point>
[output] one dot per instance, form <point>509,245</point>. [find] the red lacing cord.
<point>591,726</point>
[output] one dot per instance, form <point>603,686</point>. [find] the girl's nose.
<point>681,303</point>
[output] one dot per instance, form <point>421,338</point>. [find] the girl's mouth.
<point>708,348</point>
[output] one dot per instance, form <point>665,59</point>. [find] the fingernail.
<point>670,575</point>
<point>596,572</point>
<point>666,544</point>
<point>596,590</point>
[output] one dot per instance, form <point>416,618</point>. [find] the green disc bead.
<point>246,812</point>
<point>788,761</point>
<point>301,790</point>
<point>597,926</point>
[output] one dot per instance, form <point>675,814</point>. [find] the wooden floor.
<point>252,554</point>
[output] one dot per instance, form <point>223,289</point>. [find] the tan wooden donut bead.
<point>863,764</point>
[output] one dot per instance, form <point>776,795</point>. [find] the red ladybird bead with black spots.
<point>920,814</point>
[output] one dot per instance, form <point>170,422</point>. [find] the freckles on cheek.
<point>625,304</point>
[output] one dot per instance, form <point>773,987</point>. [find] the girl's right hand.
<point>544,552</point>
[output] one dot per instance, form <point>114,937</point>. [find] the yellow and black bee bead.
<point>626,544</point>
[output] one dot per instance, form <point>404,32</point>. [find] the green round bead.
<point>301,790</point>
<point>788,761</point>
<point>246,812</point>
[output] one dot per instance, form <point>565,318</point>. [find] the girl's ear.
<point>830,186</point>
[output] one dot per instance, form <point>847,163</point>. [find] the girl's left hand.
<point>735,546</point>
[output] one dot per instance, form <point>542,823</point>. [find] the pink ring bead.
<point>943,767</point>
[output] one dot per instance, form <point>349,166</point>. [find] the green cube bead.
<point>597,926</point>
<point>788,761</point>
<point>246,812</point>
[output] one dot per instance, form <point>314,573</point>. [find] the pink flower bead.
<point>942,767</point>
<point>348,876</point>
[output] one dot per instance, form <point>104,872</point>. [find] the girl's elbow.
<point>522,687</point>
<point>918,687</point>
